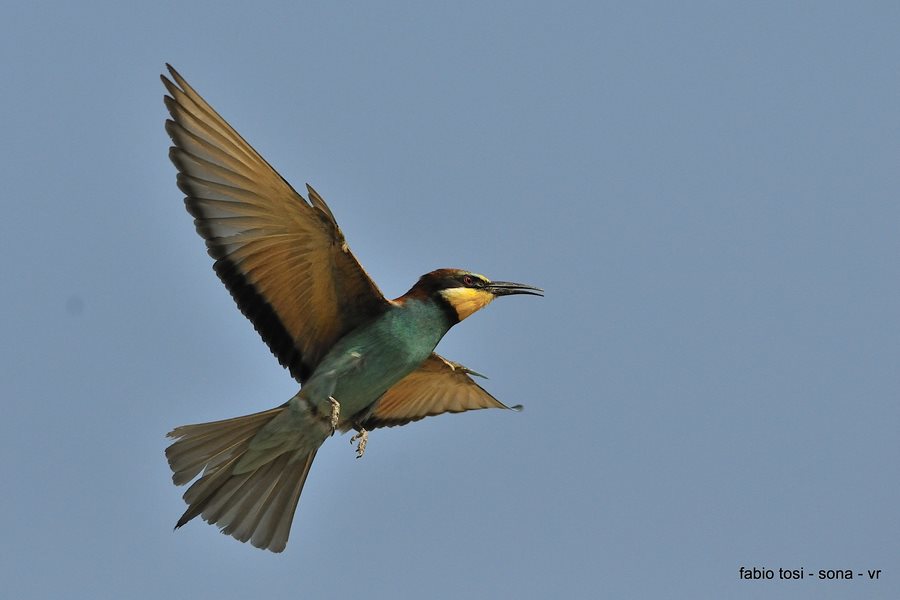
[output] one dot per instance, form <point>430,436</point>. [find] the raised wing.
<point>283,258</point>
<point>436,387</point>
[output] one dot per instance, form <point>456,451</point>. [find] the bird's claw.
<point>335,413</point>
<point>363,436</point>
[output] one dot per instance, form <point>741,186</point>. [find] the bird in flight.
<point>362,361</point>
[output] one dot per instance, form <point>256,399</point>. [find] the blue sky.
<point>707,191</point>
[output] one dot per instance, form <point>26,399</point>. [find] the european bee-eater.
<point>363,361</point>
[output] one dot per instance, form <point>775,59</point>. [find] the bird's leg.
<point>363,436</point>
<point>335,413</point>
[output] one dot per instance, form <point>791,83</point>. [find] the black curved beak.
<point>507,288</point>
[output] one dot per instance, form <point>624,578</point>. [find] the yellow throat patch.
<point>466,301</point>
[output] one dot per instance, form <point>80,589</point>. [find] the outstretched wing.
<point>283,258</point>
<point>436,387</point>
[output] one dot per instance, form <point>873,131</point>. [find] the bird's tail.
<point>254,498</point>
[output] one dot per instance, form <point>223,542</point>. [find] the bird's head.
<point>465,292</point>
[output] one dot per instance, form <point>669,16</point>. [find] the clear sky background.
<point>707,191</point>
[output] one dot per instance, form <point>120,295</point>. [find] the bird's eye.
<point>468,280</point>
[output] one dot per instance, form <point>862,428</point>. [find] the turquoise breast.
<point>369,360</point>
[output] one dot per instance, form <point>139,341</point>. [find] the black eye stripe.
<point>467,280</point>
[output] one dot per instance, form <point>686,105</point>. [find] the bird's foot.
<point>335,413</point>
<point>363,436</point>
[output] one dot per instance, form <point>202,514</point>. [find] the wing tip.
<point>174,73</point>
